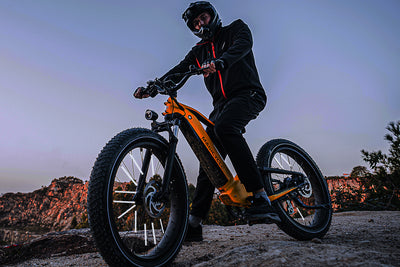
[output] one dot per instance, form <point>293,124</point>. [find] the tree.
<point>359,171</point>
<point>383,185</point>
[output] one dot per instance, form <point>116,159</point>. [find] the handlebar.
<point>167,86</point>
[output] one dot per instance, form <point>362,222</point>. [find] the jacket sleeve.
<point>182,67</point>
<point>241,44</point>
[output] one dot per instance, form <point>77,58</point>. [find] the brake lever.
<point>197,70</point>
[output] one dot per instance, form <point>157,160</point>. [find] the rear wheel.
<point>303,223</point>
<point>131,229</point>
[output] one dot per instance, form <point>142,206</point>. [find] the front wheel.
<point>313,218</point>
<point>132,229</point>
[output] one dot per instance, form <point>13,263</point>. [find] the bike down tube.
<point>232,190</point>
<point>199,139</point>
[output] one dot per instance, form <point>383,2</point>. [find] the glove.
<point>151,90</point>
<point>140,93</point>
<point>219,64</point>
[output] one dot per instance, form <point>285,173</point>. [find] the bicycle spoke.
<point>123,167</point>
<point>162,227</point>
<point>280,165</point>
<point>301,215</point>
<point>135,221</point>
<point>135,162</point>
<point>287,162</point>
<point>128,210</point>
<point>154,235</point>
<point>152,166</point>
<point>125,192</point>
<point>284,161</point>
<point>145,235</point>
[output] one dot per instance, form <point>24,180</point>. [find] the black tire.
<point>136,233</point>
<point>298,222</point>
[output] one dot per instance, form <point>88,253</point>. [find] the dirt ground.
<point>354,239</point>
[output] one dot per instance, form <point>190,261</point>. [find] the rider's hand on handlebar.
<point>151,90</point>
<point>211,66</point>
<point>140,93</point>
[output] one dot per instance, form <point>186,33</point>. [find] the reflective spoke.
<point>280,165</point>
<point>124,201</point>
<point>128,210</point>
<point>301,215</point>
<point>145,235</point>
<point>135,221</point>
<point>161,225</point>
<point>128,174</point>
<point>152,166</point>
<point>136,164</point>
<point>125,192</point>
<point>154,235</point>
<point>287,162</point>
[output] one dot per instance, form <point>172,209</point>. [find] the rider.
<point>231,77</point>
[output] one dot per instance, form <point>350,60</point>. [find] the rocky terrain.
<point>51,208</point>
<point>355,239</point>
<point>62,206</point>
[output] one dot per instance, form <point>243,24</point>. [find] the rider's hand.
<point>139,93</point>
<point>212,66</point>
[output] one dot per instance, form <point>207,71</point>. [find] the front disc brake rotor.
<point>153,208</point>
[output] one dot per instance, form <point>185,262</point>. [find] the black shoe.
<point>260,209</point>
<point>194,234</point>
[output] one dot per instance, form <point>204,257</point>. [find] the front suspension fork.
<point>163,193</point>
<point>173,141</point>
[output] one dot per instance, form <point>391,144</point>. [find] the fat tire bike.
<point>138,194</point>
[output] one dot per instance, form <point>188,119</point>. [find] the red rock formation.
<point>340,185</point>
<point>49,208</point>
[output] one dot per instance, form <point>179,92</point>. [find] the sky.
<point>331,70</point>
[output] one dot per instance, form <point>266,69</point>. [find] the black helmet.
<point>195,9</point>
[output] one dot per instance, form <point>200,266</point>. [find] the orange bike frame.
<point>232,190</point>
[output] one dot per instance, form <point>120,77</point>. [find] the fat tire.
<point>288,225</point>
<point>97,201</point>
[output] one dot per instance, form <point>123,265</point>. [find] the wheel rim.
<point>313,193</point>
<point>139,226</point>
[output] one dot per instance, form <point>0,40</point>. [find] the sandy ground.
<point>354,239</point>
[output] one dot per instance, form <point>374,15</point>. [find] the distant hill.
<point>50,208</point>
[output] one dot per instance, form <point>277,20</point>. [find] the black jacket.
<point>232,44</point>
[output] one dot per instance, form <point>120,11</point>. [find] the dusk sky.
<point>331,70</point>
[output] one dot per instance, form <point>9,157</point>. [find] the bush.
<point>381,187</point>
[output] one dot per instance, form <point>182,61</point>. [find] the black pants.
<point>230,120</point>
